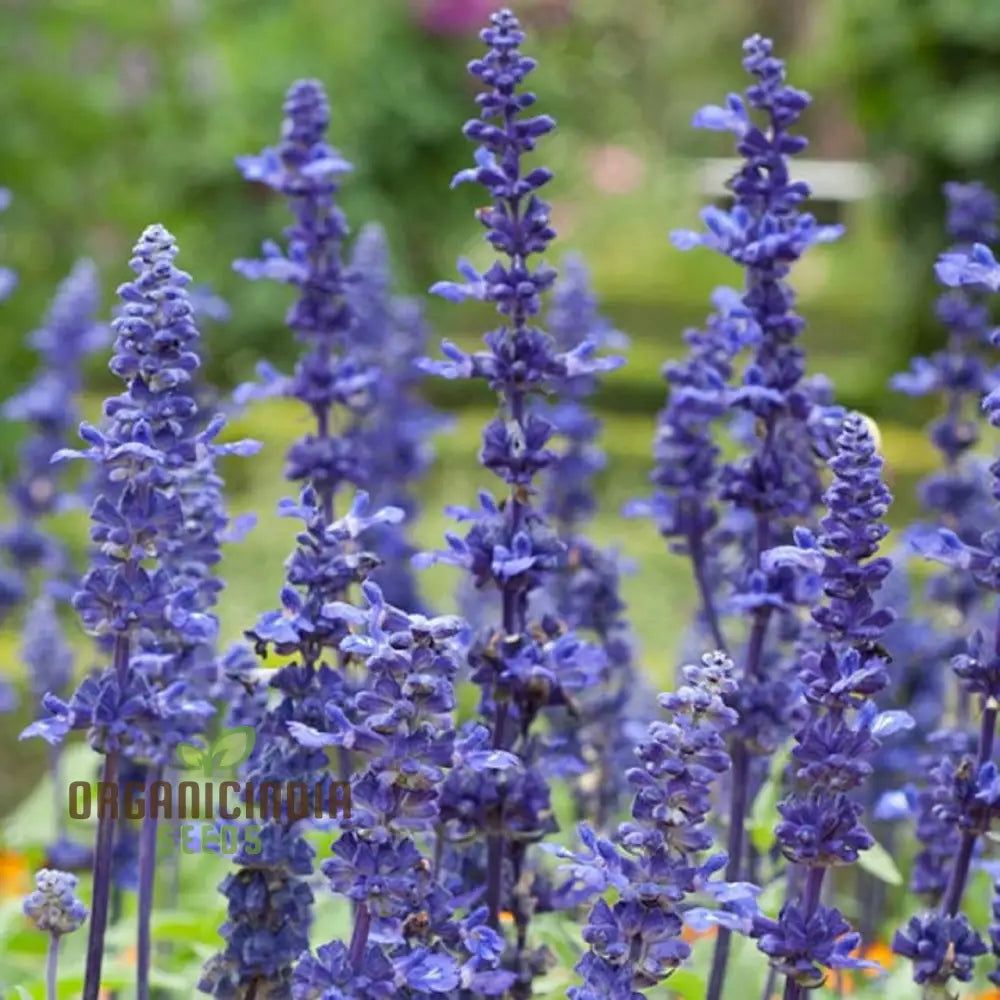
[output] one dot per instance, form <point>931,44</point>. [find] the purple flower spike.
<point>150,588</point>
<point>743,379</point>
<point>840,673</point>
<point>47,405</point>
<point>659,857</point>
<point>526,659</point>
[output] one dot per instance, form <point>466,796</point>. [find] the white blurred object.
<point>830,180</point>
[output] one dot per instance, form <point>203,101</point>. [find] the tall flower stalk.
<point>140,707</point>
<point>820,825</point>
<point>776,482</point>
<point>48,406</point>
<point>524,668</point>
<point>956,495</point>
<point>686,470</point>
<point>942,944</point>
<point>662,856</point>
<point>268,896</point>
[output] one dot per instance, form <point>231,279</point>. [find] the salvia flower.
<point>53,907</point>
<point>138,708</point>
<point>820,825</point>
<point>662,856</point>
<point>941,948</point>
<point>958,372</point>
<point>959,375</point>
<point>269,897</point>
<point>48,407</point>
<point>780,418</point>
<point>956,496</point>
<point>765,232</point>
<point>307,171</point>
<point>964,795</point>
<point>520,665</point>
<point>400,728</point>
<point>146,450</point>
<point>685,451</point>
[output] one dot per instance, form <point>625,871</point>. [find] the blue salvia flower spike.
<point>524,668</point>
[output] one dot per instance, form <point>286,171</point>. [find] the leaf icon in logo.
<point>190,757</point>
<point>233,747</point>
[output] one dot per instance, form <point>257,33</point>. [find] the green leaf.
<point>190,757</point>
<point>878,862</point>
<point>687,985</point>
<point>764,814</point>
<point>233,747</point>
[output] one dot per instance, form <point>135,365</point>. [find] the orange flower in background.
<point>879,951</point>
<point>15,874</point>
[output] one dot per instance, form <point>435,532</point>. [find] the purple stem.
<point>814,888</point>
<point>359,937</point>
<point>147,879</point>
<point>52,969</point>
<point>102,854</point>
<point>739,781</point>
<point>960,872</point>
<point>55,754</point>
<point>494,868</point>
<point>772,975</point>
<point>513,605</point>
<point>696,548</point>
<point>737,805</point>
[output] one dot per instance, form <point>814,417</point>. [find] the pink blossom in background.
<point>615,169</point>
<point>454,17</point>
<point>466,17</point>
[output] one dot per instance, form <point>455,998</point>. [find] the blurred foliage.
<point>118,115</point>
<point>924,76</point>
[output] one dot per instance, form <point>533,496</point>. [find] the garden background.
<point>116,115</point>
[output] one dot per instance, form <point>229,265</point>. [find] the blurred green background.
<point>116,115</point>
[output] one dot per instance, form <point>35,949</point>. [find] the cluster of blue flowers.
<point>269,898</point>
<point>528,668</point>
<point>743,378</point>
<point>442,852</point>
<point>134,599</point>
<point>35,569</point>
<point>663,855</point>
<point>820,825</point>
<point>962,801</point>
